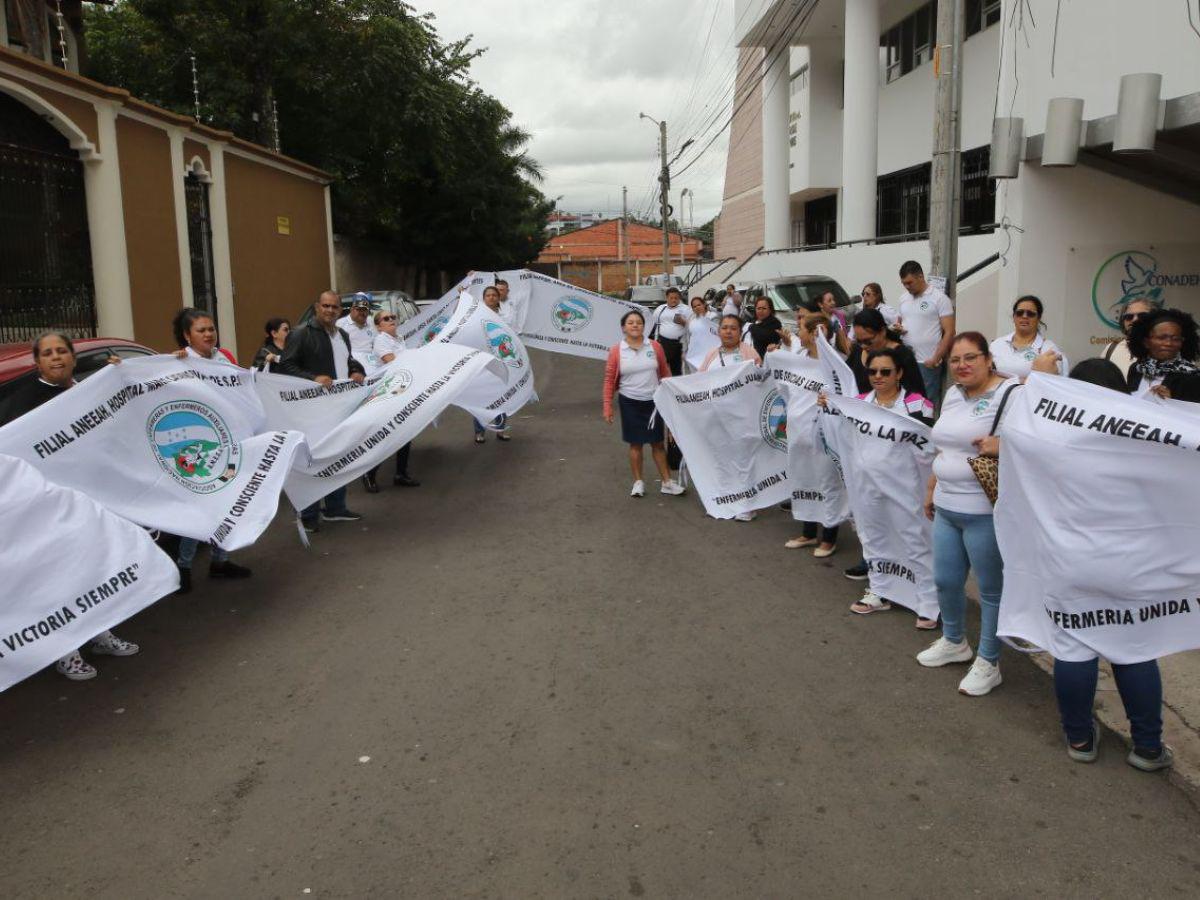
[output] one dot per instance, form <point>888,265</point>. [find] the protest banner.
<point>701,340</point>
<point>71,570</point>
<point>566,319</point>
<point>818,494</point>
<point>351,428</point>
<point>731,424</point>
<point>424,327</point>
<point>1097,522</point>
<point>488,395</point>
<point>886,460</point>
<point>175,444</point>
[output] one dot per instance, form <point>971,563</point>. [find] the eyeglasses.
<point>966,359</point>
<point>1133,317</point>
<point>883,373</point>
<point>387,318</point>
<point>1025,314</point>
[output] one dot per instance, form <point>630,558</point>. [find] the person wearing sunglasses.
<point>964,535</point>
<point>1165,346</point>
<point>1016,352</point>
<point>386,348</point>
<point>1118,351</point>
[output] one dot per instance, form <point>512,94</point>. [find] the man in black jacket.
<point>320,352</point>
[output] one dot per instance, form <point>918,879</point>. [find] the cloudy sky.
<point>576,73</point>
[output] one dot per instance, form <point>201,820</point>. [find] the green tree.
<point>423,159</point>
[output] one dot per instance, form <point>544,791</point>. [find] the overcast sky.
<point>576,73</point>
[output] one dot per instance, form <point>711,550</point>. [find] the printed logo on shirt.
<point>772,421</point>
<point>981,406</point>
<point>193,445</point>
<point>395,383</point>
<point>435,328</point>
<point>926,306</point>
<point>1030,355</point>
<point>502,344</point>
<point>571,313</point>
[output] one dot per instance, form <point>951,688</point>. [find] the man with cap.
<point>361,331</point>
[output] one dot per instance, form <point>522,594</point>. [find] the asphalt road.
<point>516,681</point>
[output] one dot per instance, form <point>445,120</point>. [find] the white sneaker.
<point>745,517</point>
<point>982,677</point>
<point>674,488</point>
<point>639,489</point>
<point>108,644</point>
<point>75,667</point>
<point>943,652</point>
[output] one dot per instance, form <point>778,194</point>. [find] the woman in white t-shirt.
<point>701,334</point>
<point>632,373</point>
<point>385,348</point>
<point>731,350</point>
<point>964,536</point>
<point>669,325</point>
<point>1016,352</point>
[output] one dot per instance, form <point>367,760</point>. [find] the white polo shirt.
<point>341,356</point>
<point>664,318</point>
<point>362,340</point>
<point>1019,363</point>
<point>639,371</point>
<point>732,305</point>
<point>385,344</point>
<point>921,317</point>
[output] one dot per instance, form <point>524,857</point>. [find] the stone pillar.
<point>860,122</point>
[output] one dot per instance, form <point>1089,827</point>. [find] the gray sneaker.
<point>1164,760</point>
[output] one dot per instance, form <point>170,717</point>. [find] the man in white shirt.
<point>506,310</point>
<point>671,320</point>
<point>927,322</point>
<point>361,331</point>
<point>733,302</point>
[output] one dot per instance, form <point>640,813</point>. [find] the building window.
<point>981,14</point>
<point>978,191</point>
<point>909,43</point>
<point>820,220</point>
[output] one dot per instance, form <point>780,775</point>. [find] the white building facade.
<point>1090,112</point>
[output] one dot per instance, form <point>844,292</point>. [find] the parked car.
<point>398,302</point>
<point>91,355</point>
<point>792,293</point>
<point>647,295</point>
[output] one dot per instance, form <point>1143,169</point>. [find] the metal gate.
<point>199,223</point>
<point>45,253</point>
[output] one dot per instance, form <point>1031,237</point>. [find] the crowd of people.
<point>901,358</point>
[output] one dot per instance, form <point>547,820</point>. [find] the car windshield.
<point>785,296</point>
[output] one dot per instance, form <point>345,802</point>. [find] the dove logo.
<point>1125,276</point>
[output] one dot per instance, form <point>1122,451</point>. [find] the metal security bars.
<point>199,223</point>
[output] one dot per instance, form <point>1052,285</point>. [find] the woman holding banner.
<point>634,369</point>
<point>731,350</point>
<point>964,535</point>
<point>491,299</point>
<point>196,334</point>
<point>386,348</point>
<point>1164,345</point>
<point>871,332</point>
<point>271,352</point>
<point>54,356</point>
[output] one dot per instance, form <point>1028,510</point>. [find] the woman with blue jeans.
<point>964,537</point>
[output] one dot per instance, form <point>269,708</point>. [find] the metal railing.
<point>697,271</point>
<point>882,239</point>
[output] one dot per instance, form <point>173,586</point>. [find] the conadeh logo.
<point>193,445</point>
<point>1126,276</point>
<point>772,421</point>
<point>571,313</point>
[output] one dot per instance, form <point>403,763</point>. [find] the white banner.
<point>474,325</point>
<point>838,376</point>
<point>424,327</point>
<point>1098,523</point>
<point>352,428</point>
<point>818,494</point>
<point>731,424</point>
<point>567,319</point>
<point>701,340</point>
<point>172,444</point>
<point>71,570</point>
<point>886,460</point>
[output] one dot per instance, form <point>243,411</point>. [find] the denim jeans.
<point>828,535</point>
<point>501,421</point>
<point>933,383</point>
<point>335,502</point>
<point>187,553</point>
<point>1141,692</point>
<point>963,541</point>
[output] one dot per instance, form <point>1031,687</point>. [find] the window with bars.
<point>909,43</point>
<point>902,198</point>
<point>820,220</point>
<point>978,191</point>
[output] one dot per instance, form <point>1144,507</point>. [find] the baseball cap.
<point>361,301</point>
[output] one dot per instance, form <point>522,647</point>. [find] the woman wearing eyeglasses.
<point>964,536</point>
<point>1016,352</point>
<point>1164,345</point>
<point>1118,351</point>
<point>385,349</point>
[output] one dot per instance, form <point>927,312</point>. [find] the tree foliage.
<point>422,157</point>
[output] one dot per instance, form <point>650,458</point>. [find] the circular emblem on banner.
<point>394,383</point>
<point>772,420</point>
<point>571,313</point>
<point>1124,276</point>
<point>193,445</point>
<point>502,344</point>
<point>435,328</point>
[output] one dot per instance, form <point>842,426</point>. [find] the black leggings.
<point>401,462</point>
<point>673,351</point>
<point>828,535</point>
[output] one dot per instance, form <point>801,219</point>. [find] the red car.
<point>91,354</point>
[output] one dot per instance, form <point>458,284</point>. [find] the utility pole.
<point>946,184</point>
<point>625,231</point>
<point>664,180</point>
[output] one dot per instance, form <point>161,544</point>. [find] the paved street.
<point>562,692</point>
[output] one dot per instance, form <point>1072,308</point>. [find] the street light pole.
<point>664,187</point>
